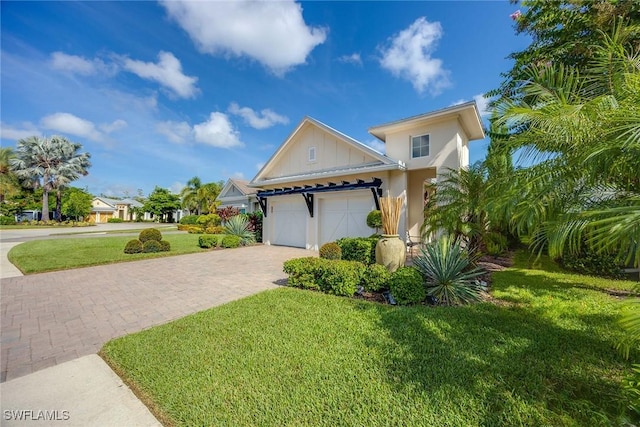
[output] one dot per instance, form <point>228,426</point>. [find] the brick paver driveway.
<point>54,317</point>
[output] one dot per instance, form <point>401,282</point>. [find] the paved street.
<point>50,318</point>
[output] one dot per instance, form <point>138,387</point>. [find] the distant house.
<point>103,209</point>
<point>320,184</point>
<point>236,193</point>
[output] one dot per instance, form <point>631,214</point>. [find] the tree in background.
<point>50,164</point>
<point>200,198</point>
<point>76,203</point>
<point>9,183</point>
<point>162,203</point>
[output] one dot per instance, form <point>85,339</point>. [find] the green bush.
<point>592,263</point>
<point>214,229</point>
<point>407,286</point>
<point>133,247</point>
<point>208,241</point>
<point>165,245</point>
<point>375,278</point>
<point>330,250</point>
<point>337,277</point>
<point>189,220</point>
<point>151,246</point>
<point>115,220</point>
<point>374,219</point>
<point>303,272</point>
<point>449,274</point>
<point>496,243</point>
<point>7,220</point>
<point>231,241</point>
<point>209,220</point>
<point>150,234</point>
<point>361,249</point>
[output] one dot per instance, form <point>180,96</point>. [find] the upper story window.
<point>312,154</point>
<point>419,146</point>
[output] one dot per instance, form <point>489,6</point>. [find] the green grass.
<point>38,256</point>
<point>290,357</point>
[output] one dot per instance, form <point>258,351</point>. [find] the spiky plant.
<point>449,275</point>
<point>239,226</point>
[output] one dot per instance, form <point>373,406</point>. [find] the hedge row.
<point>208,241</point>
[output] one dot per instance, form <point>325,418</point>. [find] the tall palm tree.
<point>9,185</point>
<point>189,195</point>
<point>49,163</point>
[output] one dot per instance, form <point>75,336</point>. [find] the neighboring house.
<point>320,184</point>
<point>236,193</point>
<point>103,209</point>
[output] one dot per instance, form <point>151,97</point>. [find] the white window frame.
<point>421,148</point>
<point>312,154</point>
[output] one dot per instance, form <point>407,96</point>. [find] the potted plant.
<point>390,249</point>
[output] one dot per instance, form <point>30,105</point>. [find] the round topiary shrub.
<point>231,241</point>
<point>374,219</point>
<point>151,246</point>
<point>375,278</point>
<point>133,247</point>
<point>150,234</point>
<point>165,245</point>
<point>407,286</point>
<point>330,250</point>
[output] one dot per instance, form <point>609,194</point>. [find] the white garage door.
<point>344,216</point>
<point>289,221</point>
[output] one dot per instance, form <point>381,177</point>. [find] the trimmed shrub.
<point>303,272</point>
<point>151,246</point>
<point>375,278</point>
<point>361,249</point>
<point>115,220</point>
<point>133,247</point>
<point>189,220</point>
<point>207,241</point>
<point>7,220</point>
<point>231,241</point>
<point>330,250</point>
<point>407,286</point>
<point>149,234</point>
<point>209,220</point>
<point>374,219</point>
<point>592,263</point>
<point>165,245</point>
<point>339,277</point>
<point>214,229</point>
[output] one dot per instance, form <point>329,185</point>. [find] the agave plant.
<point>239,226</point>
<point>450,276</point>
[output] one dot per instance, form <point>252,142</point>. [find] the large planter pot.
<point>391,252</point>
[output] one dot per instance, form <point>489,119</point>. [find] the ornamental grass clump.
<point>240,226</point>
<point>449,273</point>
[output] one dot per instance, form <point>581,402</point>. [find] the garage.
<point>344,216</point>
<point>288,217</point>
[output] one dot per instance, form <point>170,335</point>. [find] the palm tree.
<point>9,185</point>
<point>189,195</point>
<point>49,163</point>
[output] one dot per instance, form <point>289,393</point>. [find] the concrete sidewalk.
<point>84,392</point>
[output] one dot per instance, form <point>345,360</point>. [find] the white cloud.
<point>265,119</point>
<point>78,64</point>
<point>176,187</point>
<point>481,102</point>
<point>354,58</point>
<point>217,132</point>
<point>167,71</point>
<point>70,124</point>
<point>176,132</point>
<point>409,55</point>
<point>10,132</point>
<point>272,32</point>
<point>237,175</point>
<point>377,145</point>
<point>114,126</point>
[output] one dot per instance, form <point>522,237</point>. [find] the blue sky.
<point>159,92</point>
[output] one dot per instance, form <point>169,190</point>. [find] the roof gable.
<point>333,150</point>
<point>236,188</point>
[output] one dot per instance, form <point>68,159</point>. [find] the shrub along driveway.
<point>50,318</point>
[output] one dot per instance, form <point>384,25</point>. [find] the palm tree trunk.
<point>45,204</point>
<point>59,205</point>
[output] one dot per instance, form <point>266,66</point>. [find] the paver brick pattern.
<point>55,317</point>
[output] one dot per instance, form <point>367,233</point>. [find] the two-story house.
<point>320,184</point>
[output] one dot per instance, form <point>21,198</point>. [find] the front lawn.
<point>542,356</point>
<point>38,256</point>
